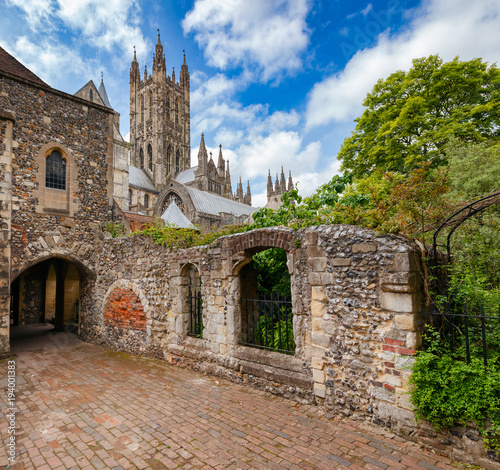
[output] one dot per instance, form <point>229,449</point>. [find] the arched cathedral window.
<point>177,161</point>
<point>150,106</point>
<point>55,171</point>
<point>141,109</point>
<point>141,158</point>
<point>169,159</point>
<point>146,201</point>
<point>173,197</point>
<point>150,157</point>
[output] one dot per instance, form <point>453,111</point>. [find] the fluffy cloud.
<point>47,59</point>
<point>447,27</point>
<point>105,24</point>
<point>267,36</point>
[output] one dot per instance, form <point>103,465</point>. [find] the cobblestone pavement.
<point>84,407</point>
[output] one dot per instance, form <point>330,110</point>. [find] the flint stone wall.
<point>355,294</point>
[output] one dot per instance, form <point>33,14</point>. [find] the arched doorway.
<point>47,292</point>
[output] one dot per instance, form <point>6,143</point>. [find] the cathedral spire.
<point>228,188</point>
<point>239,191</point>
<point>158,58</point>
<point>269,185</point>
<point>277,184</point>
<point>290,181</point>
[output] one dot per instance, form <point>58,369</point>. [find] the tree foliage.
<point>410,116</point>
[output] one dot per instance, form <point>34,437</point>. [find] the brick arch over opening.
<point>82,265</point>
<point>247,244</point>
<point>121,293</point>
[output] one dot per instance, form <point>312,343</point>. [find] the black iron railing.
<point>195,315</point>
<point>466,334</point>
<point>267,322</point>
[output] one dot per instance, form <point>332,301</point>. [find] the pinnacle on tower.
<point>282,182</point>
<point>229,190</point>
<point>220,164</point>
<point>269,185</point>
<point>202,157</point>
<point>184,72</point>
<point>158,58</point>
<point>248,195</point>
<point>145,72</point>
<point>277,184</point>
<point>290,182</point>
<point>239,191</point>
<point>134,69</point>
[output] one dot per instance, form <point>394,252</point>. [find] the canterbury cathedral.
<point>153,176</point>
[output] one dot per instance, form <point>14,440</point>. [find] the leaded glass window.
<point>55,171</point>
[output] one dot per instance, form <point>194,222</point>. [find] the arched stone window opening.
<point>169,159</point>
<point>266,302</point>
<point>141,109</point>
<point>177,161</point>
<point>55,171</point>
<point>141,158</point>
<point>130,197</point>
<point>150,157</point>
<point>91,95</point>
<point>146,201</point>
<point>193,305</point>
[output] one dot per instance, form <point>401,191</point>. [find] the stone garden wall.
<point>355,294</point>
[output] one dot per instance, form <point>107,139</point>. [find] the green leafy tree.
<point>410,116</point>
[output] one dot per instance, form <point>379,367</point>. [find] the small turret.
<point>239,192</point>
<point>277,184</point>
<point>290,182</point>
<point>173,74</point>
<point>145,73</point>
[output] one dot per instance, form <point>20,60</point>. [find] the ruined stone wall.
<point>355,301</point>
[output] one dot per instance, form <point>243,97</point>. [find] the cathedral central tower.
<point>159,119</point>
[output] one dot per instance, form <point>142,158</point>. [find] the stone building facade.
<point>57,189</point>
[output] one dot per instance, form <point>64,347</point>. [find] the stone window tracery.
<point>141,158</point>
<point>55,171</point>
<point>174,197</point>
<point>146,201</point>
<point>177,161</point>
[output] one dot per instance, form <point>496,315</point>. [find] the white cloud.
<point>47,59</point>
<point>36,12</point>
<point>110,25</point>
<point>447,27</point>
<point>265,37</point>
<point>106,24</point>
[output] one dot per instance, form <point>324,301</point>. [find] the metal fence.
<point>467,333</point>
<point>267,322</point>
<point>195,314</point>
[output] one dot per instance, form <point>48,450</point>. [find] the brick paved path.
<point>83,407</point>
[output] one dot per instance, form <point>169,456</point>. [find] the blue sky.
<point>276,82</point>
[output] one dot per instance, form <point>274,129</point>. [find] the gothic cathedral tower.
<point>159,119</point>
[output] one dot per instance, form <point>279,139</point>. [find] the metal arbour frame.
<point>459,217</point>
